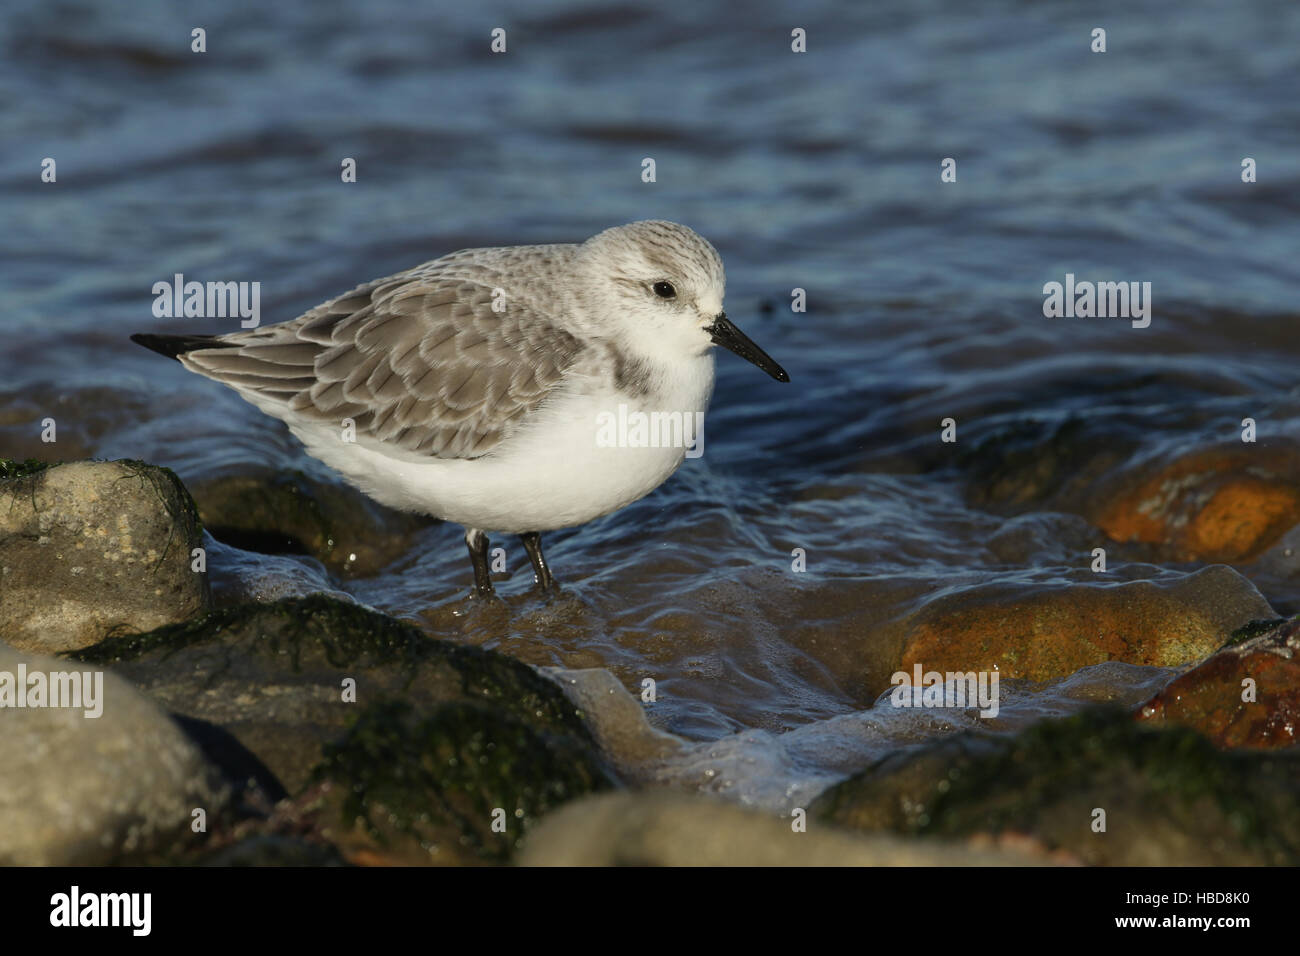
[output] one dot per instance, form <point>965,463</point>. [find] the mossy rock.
<point>272,675</point>
<point>1169,796</point>
<point>462,784</point>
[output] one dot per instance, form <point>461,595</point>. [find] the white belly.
<point>558,471</point>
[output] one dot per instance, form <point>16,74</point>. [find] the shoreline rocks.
<point>1096,785</point>
<point>313,730</point>
<point>404,745</point>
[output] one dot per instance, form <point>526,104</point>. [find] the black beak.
<point>724,333</point>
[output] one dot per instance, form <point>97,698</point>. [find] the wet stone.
<point>1226,503</point>
<point>93,548</point>
<point>1246,695</point>
<point>292,513</point>
<point>1169,796</point>
<point>462,784</point>
<point>1041,633</point>
<point>439,734</point>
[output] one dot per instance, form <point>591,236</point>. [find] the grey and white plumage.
<point>487,417</point>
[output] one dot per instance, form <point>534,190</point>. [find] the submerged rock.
<point>1041,633</point>
<point>1222,504</point>
<point>1167,795</point>
<point>673,829</point>
<point>375,715</point>
<point>77,790</point>
<point>1033,465</point>
<point>1246,695</point>
<point>92,548</point>
<point>291,513</point>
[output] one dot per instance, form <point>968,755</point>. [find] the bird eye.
<point>664,290</point>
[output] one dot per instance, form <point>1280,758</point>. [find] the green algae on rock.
<point>1168,795</point>
<point>319,633</point>
<point>272,675</point>
<point>461,784</point>
<point>90,548</point>
<point>10,469</point>
<point>1253,629</point>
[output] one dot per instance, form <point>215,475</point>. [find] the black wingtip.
<point>174,346</point>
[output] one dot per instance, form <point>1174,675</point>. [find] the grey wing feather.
<point>417,361</point>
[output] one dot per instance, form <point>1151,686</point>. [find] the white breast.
<point>557,471</point>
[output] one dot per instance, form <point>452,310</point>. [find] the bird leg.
<point>477,542</point>
<point>532,542</point>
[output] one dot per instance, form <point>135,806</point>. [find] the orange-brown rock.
<point>1040,633</point>
<point>1222,504</point>
<point>1247,695</point>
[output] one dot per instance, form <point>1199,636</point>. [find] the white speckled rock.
<point>77,790</point>
<point>92,547</point>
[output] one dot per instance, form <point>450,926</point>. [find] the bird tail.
<point>174,346</point>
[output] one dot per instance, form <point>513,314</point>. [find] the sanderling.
<point>470,387</point>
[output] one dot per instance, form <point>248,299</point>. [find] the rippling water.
<point>818,171</point>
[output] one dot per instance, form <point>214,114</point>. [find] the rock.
<point>1041,633</point>
<point>238,576</point>
<point>1276,572</point>
<point>1209,697</point>
<point>673,829</point>
<point>460,785</point>
<point>1221,504</point>
<point>1170,798</point>
<point>83,791</point>
<point>291,513</point>
<point>438,731</point>
<point>273,850</point>
<point>1033,465</point>
<point>91,548</point>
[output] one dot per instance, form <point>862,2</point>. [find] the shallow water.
<point>818,171</point>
